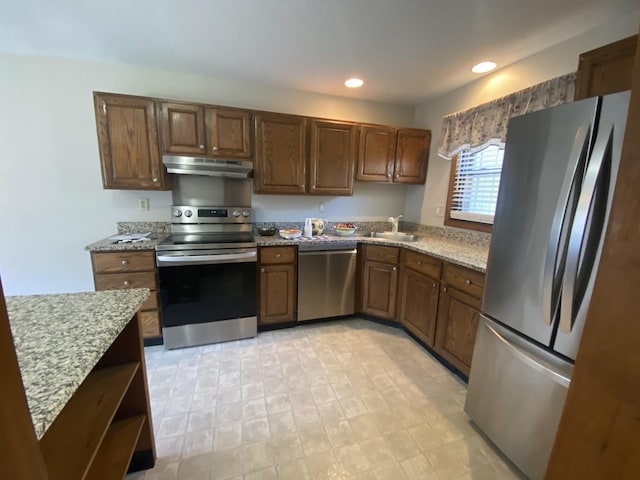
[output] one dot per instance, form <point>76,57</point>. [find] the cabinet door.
<point>183,128</point>
<point>606,69</point>
<point>332,157</point>
<point>376,153</point>
<point>456,328</point>
<point>277,285</point>
<point>128,142</point>
<point>412,155</point>
<point>280,153</point>
<point>228,132</point>
<point>418,304</point>
<point>380,286</point>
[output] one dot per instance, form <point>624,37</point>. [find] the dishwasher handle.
<point>328,252</point>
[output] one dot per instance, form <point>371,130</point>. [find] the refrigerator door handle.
<point>588,224</point>
<point>565,209</point>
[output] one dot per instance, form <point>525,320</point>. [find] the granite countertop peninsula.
<point>60,338</point>
<point>453,250</point>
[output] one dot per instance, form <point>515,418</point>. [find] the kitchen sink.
<point>400,236</point>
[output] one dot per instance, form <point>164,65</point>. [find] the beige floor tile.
<point>374,402</point>
<point>353,407</point>
<point>306,417</point>
<point>196,468</point>
<point>402,445</point>
<point>197,443</point>
<point>343,390</point>
<point>352,459</point>
<point>323,394</point>
<point>228,462</point>
<point>301,399</point>
<point>425,437</point>
<point>446,429</point>
<point>386,422</point>
<point>330,412</point>
<point>340,434</point>
<point>258,456</point>
<point>254,408</point>
<point>321,466</point>
<point>228,413</point>
<point>200,420</point>
<point>169,448</point>
<point>253,390</point>
<point>282,423</point>
<point>418,468</point>
<point>227,436</point>
<point>314,439</point>
<point>256,430</point>
<point>266,474</point>
<point>172,426</point>
<point>295,470</point>
<point>278,403</point>
<point>448,460</point>
<point>393,471</point>
<point>377,451</point>
<point>364,426</point>
<point>286,448</point>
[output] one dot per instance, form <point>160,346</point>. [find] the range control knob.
<point>188,213</point>
<point>236,213</point>
<point>246,213</point>
<point>177,212</point>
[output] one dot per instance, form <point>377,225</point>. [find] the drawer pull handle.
<point>263,270</point>
<point>467,281</point>
<point>125,262</point>
<point>126,283</point>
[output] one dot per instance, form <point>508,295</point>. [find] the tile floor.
<point>348,399</point>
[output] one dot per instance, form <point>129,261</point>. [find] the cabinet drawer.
<point>274,255</point>
<point>117,281</point>
<point>151,303</point>
<point>382,254</point>
<point>424,264</point>
<point>150,322</point>
<point>115,262</point>
<point>463,279</point>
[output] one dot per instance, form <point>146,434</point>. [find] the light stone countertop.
<point>106,244</point>
<point>454,251</point>
<point>60,338</point>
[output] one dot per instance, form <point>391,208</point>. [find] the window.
<point>473,188</point>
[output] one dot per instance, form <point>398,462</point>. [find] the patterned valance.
<point>486,124</point>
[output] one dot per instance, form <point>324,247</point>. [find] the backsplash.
<point>143,227</point>
<point>452,233</point>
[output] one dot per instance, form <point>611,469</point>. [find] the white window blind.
<point>476,183</point>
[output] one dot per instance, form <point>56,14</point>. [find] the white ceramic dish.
<point>290,234</point>
<point>345,232</point>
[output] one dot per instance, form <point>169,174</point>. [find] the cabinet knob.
<point>215,149</point>
<point>389,175</point>
<point>263,270</point>
<point>201,147</point>
<point>278,255</point>
<point>444,289</point>
<point>126,283</point>
<point>155,180</point>
<point>467,281</point>
<point>394,269</point>
<point>434,285</point>
<point>125,262</point>
<point>419,262</point>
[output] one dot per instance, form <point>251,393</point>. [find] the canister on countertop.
<point>308,229</point>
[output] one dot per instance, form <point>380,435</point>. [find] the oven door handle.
<point>175,260</point>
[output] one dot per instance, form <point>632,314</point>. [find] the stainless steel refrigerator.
<point>558,178</point>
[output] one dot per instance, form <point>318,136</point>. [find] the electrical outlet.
<point>439,210</point>
<point>143,203</point>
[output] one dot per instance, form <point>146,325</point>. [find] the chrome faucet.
<point>394,223</point>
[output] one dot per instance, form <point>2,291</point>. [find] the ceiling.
<point>405,50</point>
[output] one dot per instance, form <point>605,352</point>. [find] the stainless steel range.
<point>208,279</point>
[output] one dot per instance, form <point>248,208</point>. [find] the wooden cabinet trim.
<point>380,253</point>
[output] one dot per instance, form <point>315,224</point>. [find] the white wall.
<point>555,61</point>
<point>51,197</point>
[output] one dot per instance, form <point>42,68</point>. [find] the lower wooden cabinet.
<point>458,314</point>
<point>119,269</point>
<point>418,297</point>
<point>380,281</point>
<point>277,269</point>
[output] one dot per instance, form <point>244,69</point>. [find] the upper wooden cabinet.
<point>393,155</point>
<point>280,153</point>
<point>228,132</point>
<point>201,130</point>
<point>332,157</point>
<point>182,128</point>
<point>128,142</point>
<point>606,69</point>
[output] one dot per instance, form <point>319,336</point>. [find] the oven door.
<point>207,298</point>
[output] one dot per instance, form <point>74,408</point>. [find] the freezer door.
<point>516,394</point>
<point>544,160</point>
<point>589,226</point>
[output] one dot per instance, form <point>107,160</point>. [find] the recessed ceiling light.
<point>483,67</point>
<point>354,83</point>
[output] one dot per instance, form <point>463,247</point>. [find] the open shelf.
<point>114,455</point>
<point>71,443</point>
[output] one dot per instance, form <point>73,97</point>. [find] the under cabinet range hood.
<point>213,167</point>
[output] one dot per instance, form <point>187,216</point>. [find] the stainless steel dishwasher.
<point>326,280</point>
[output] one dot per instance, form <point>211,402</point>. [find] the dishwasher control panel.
<point>326,246</point>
